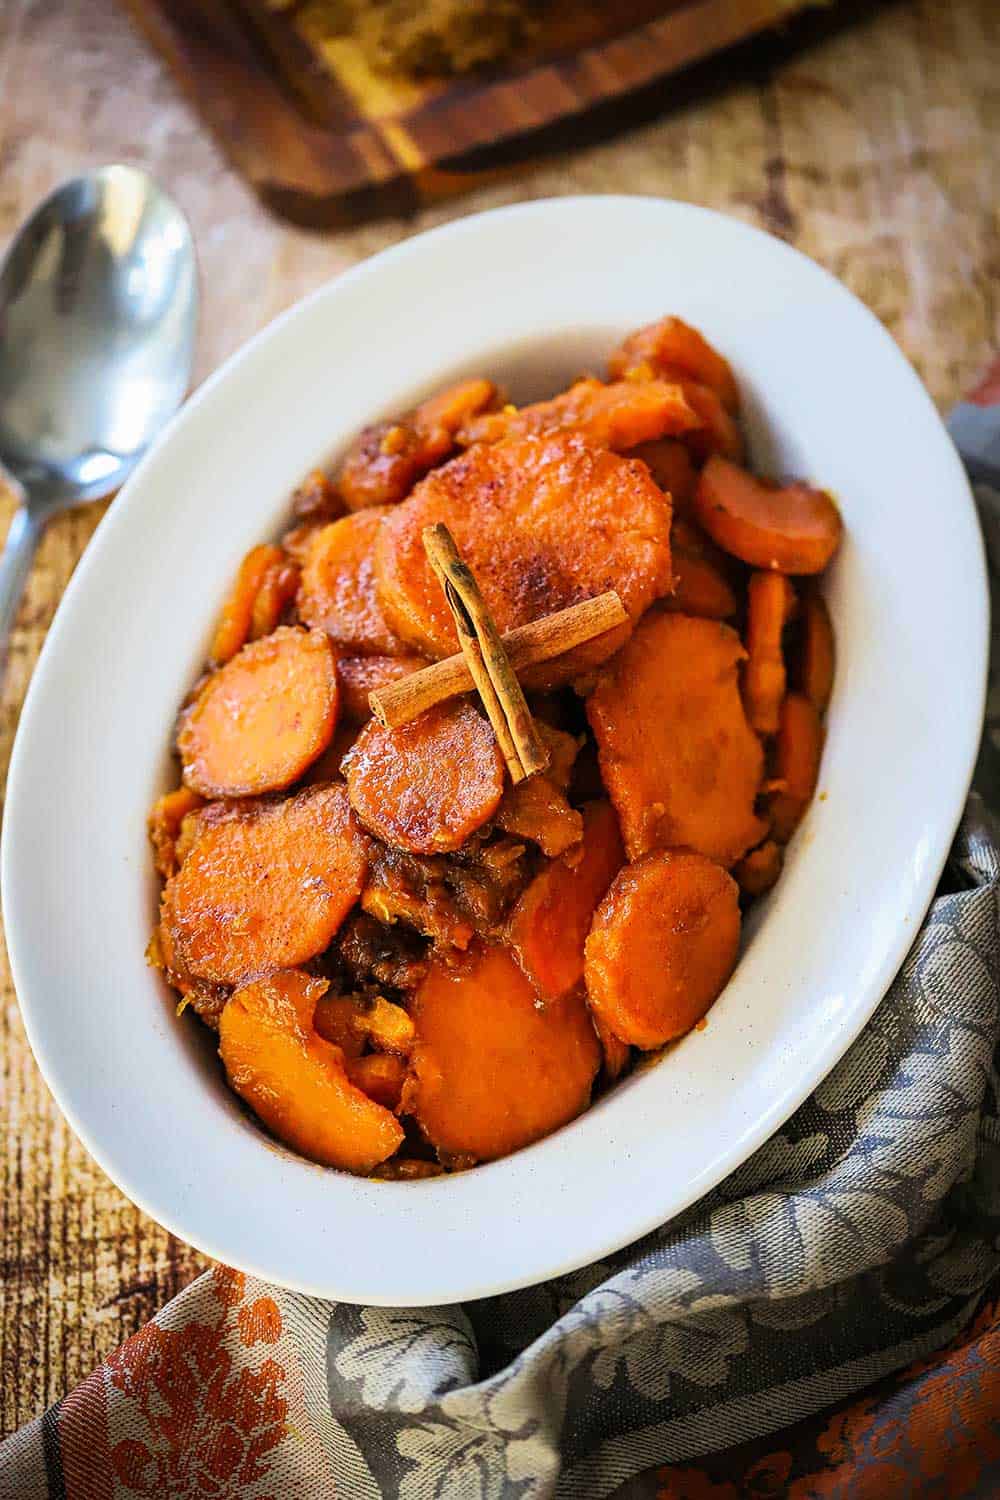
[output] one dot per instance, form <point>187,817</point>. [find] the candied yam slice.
<point>789,528</point>
<point>797,751</point>
<point>673,346</point>
<point>265,886</point>
<point>663,943</point>
<point>759,870</point>
<point>429,784</point>
<point>337,593</point>
<point>536,809</point>
<point>492,1070</point>
<point>164,825</point>
<point>261,720</point>
<point>609,416</point>
<point>543,523</point>
<point>701,586</point>
<point>551,920</point>
<point>718,430</point>
<point>295,1081</point>
<point>680,762</point>
<point>277,589</point>
<point>380,1076</point>
<point>615,1053</point>
<point>357,676</point>
<point>233,629</point>
<point>770,604</point>
<point>669,462</point>
<point>817,652</point>
<point>386,459</point>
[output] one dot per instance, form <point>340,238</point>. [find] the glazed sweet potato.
<point>261,720</point>
<point>296,1082</point>
<point>701,586</point>
<point>338,594</point>
<point>797,752</point>
<point>614,1052</point>
<point>789,528</point>
<point>357,676</point>
<point>759,870</point>
<point>614,416</point>
<point>316,500</point>
<point>233,629</point>
<point>536,809</point>
<point>380,1076</point>
<point>543,523</point>
<point>492,1070</point>
<point>265,886</point>
<point>717,431</point>
<point>278,588</point>
<point>770,605</point>
<point>663,943</point>
<point>429,784</point>
<point>388,458</point>
<point>164,825</point>
<point>552,918</point>
<point>672,347</point>
<point>681,763</point>
<point>817,653</point>
<point>669,462</point>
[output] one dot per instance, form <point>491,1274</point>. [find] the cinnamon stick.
<point>496,681</point>
<point>542,640</point>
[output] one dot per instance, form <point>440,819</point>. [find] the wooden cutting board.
<point>327,140</point>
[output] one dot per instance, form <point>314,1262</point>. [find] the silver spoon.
<point>98,311</point>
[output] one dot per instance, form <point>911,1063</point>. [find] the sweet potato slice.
<point>609,416</point>
<point>770,604</point>
<point>261,720</point>
<point>538,810</point>
<point>701,586</point>
<point>338,593</point>
<point>265,887</point>
<point>717,430</point>
<point>380,1076</point>
<point>663,943</point>
<point>357,676</point>
<point>550,922</point>
<point>759,870</point>
<point>492,1070</point>
<point>679,760</point>
<point>277,589</point>
<point>614,1051</point>
<point>789,528</point>
<point>543,523</point>
<point>429,784</point>
<point>295,1082</point>
<point>797,752</point>
<point>673,346</point>
<point>386,460</point>
<point>669,462</point>
<point>817,652</point>
<point>233,629</point>
<point>164,825</point>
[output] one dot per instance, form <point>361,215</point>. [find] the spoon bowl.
<point>98,314</point>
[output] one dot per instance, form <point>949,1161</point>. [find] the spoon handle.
<point>15,565</point>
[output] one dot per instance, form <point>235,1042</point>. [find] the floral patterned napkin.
<point>864,1236</point>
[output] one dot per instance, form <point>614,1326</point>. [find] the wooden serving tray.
<point>325,140</point>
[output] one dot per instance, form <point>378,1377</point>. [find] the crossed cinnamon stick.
<point>489,662</point>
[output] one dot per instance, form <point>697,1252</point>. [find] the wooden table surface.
<point>875,151</point>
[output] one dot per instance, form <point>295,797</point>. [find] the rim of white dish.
<point>609,1232</point>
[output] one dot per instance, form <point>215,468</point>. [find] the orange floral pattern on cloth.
<point>210,1422</point>
<point>933,1430</point>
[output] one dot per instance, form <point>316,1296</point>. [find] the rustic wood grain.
<point>876,152</point>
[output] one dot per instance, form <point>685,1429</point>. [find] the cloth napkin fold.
<point>863,1236</point>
